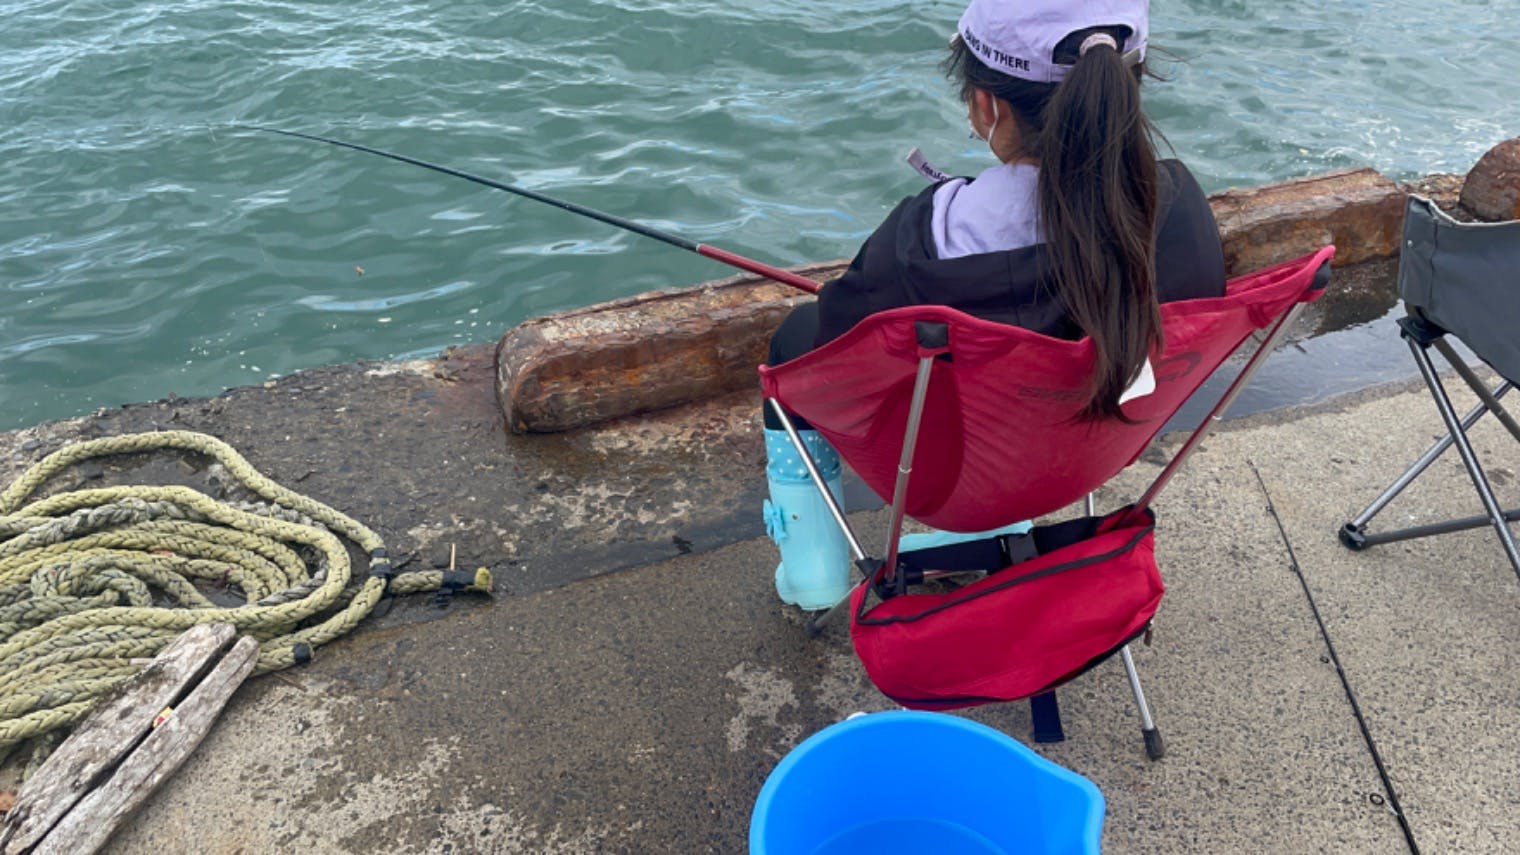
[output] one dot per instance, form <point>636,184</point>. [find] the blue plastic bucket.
<point>916,782</point>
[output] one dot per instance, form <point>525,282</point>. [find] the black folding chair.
<point>1457,280</point>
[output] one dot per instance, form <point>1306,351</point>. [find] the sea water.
<point>148,246</point>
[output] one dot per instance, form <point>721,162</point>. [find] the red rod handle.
<point>785,277</point>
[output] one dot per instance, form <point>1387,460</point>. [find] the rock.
<point>1358,210</point>
<point>1492,188</point>
<point>1444,189</point>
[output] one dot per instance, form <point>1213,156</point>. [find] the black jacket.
<point>897,266</point>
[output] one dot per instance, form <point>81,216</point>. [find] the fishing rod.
<point>785,277</point>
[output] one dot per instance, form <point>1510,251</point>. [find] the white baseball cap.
<point>1019,37</point>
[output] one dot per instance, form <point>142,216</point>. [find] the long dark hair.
<point>1097,198</point>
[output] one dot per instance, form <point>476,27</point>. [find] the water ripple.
<point>147,246</point>
<point>330,303</point>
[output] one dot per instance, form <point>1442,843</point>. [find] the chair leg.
<point>817,620</point>
<point>1045,716</point>
<point>1469,459</point>
<point>867,565</point>
<point>1154,747</point>
<point>817,478</point>
<point>1489,399</point>
<point>1357,539</point>
<point>1354,534</point>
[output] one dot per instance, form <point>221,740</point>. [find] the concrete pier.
<point>640,711</point>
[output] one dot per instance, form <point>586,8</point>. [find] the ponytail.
<point>1097,199</point>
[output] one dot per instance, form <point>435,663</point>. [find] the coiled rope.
<point>95,582</point>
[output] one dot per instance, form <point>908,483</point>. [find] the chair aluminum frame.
<point>868,566</point>
<point>1421,336</point>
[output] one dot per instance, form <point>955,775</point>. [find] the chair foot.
<point>1045,718</point>
<point>1154,747</point>
<point>1353,537</point>
<point>814,624</point>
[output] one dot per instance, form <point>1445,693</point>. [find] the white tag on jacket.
<point>1145,383</point>
<point>923,167</point>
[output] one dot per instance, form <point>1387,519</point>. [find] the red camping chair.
<point>970,425</point>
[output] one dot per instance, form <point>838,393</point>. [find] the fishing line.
<point>785,277</point>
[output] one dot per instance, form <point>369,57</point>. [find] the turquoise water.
<point>147,247</point>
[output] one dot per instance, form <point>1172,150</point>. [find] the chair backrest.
<point>1000,438</point>
<point>1465,279</point>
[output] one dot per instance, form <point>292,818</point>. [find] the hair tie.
<point>1094,40</point>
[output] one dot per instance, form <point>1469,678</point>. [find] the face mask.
<point>991,132</point>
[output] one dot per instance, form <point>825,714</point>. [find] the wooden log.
<point>96,817</point>
<point>112,729</point>
<point>646,352</point>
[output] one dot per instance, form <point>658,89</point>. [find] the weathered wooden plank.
<point>643,353</point>
<point>110,731</point>
<point>96,817</point>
